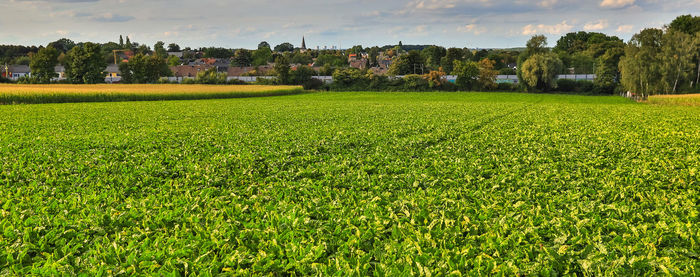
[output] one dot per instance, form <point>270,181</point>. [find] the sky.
<point>341,23</point>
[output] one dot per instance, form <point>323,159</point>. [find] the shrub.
<point>580,86</point>
<point>414,82</point>
<point>507,87</point>
<point>313,84</point>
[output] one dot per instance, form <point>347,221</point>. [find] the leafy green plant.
<point>364,184</point>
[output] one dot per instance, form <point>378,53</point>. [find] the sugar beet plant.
<point>434,184</point>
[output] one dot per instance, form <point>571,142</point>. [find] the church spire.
<point>303,43</point>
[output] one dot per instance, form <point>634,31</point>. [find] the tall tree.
<point>284,47</point>
<point>128,43</point>
<point>282,69</point>
<point>411,63</point>
<point>264,44</point>
<point>677,59</point>
<point>85,64</point>
<point>487,74</point>
<point>262,56</point>
<point>143,69</point>
<point>452,55</point>
<point>540,70</point>
<point>640,67</point>
<point>467,74</point>
<point>536,45</point>
<point>433,56</point>
<point>173,47</point>
<point>62,45</point>
<point>159,50</point>
<point>686,23</point>
<point>43,63</point>
<point>242,57</point>
<point>121,41</point>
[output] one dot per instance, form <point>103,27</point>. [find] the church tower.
<point>303,43</point>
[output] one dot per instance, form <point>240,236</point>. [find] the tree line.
<point>661,60</point>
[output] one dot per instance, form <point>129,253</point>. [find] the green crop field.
<point>385,184</point>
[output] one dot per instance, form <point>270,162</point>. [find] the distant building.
<point>303,44</point>
<point>188,70</point>
<point>61,71</point>
<point>15,72</point>
<point>176,54</point>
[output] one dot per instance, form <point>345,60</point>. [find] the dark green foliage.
<point>351,184</point>
<point>43,63</point>
<point>262,56</point>
<point>143,69</point>
<point>284,47</point>
<point>62,45</point>
<point>242,58</point>
<point>217,52</point>
<point>301,75</point>
<point>173,47</point>
<point>282,69</point>
<point>687,24</point>
<point>85,64</point>
<point>411,63</point>
<point>577,86</point>
<point>331,60</point>
<point>467,73</point>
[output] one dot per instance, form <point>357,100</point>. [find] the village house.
<point>15,72</point>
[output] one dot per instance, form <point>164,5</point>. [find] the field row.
<point>351,184</point>
<point>36,94</point>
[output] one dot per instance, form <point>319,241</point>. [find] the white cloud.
<point>625,29</point>
<point>596,25</point>
<point>547,3</point>
<point>555,29</point>
<point>616,3</point>
<point>472,28</point>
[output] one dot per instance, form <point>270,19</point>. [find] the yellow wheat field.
<point>61,93</point>
<point>675,99</point>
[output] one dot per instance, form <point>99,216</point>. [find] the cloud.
<point>110,17</point>
<point>625,28</point>
<point>547,3</point>
<point>614,4</point>
<point>471,28</point>
<point>596,25</point>
<point>555,29</point>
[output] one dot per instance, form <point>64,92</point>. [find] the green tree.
<point>487,74</point>
<point>607,72</point>
<point>677,63</point>
<point>302,74</point>
<point>411,63</point>
<point>373,54</point>
<point>467,73</point>
<point>640,67</point>
<point>284,47</point>
<point>128,44</point>
<point>159,50</point>
<point>536,45</point>
<point>282,69</point>
<point>143,69</point>
<point>173,47</point>
<point>452,55</point>
<point>63,45</point>
<point>262,56</point>
<point>433,56</point>
<point>686,23</point>
<point>540,70</point>
<point>263,44</point>
<point>121,41</point>
<point>174,61</point>
<point>43,63</point>
<point>85,64</point>
<point>242,58</point>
